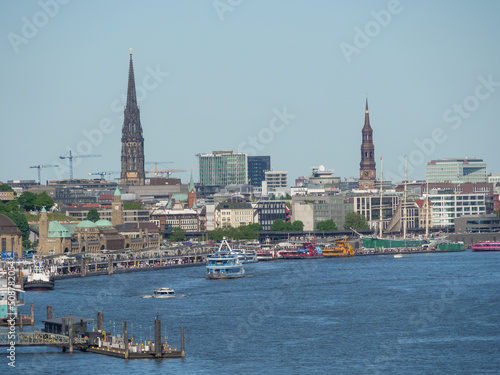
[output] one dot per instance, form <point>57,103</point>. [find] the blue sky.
<point>285,78</point>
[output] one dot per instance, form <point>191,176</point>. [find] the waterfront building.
<point>269,211</point>
<point>132,156</point>
<point>311,209</point>
<point>6,196</point>
<point>233,214</point>
<point>367,170</point>
<point>447,205</point>
<point>61,238</point>
<point>488,189</point>
<point>276,179</point>
<point>477,223</point>
<point>456,170</point>
<point>257,167</point>
<point>11,238</point>
<point>221,168</point>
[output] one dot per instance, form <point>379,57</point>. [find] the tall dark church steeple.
<point>367,171</point>
<point>132,140</point>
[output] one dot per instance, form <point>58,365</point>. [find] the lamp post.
<point>132,331</point>
<point>140,332</point>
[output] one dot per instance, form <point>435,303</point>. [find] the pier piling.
<point>158,346</point>
<point>83,268</point>
<point>49,312</point>
<point>100,321</point>
<point>183,353</point>
<point>125,339</point>
<point>32,314</point>
<point>63,326</point>
<point>71,335</point>
<point>110,266</point>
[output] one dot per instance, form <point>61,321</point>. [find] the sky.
<point>284,78</point>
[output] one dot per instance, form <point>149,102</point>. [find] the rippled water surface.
<point>420,314</point>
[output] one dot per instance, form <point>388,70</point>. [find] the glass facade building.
<point>456,170</point>
<point>257,168</point>
<point>223,168</point>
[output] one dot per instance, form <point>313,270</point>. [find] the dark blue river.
<point>420,314</point>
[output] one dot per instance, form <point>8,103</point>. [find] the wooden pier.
<point>70,333</point>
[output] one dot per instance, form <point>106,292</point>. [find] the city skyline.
<point>281,79</point>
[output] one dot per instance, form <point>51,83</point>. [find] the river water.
<point>420,314</point>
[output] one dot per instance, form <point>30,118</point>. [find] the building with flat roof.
<point>276,179</point>
<point>221,168</point>
<point>447,206</point>
<point>477,224</point>
<point>456,170</point>
<point>257,167</point>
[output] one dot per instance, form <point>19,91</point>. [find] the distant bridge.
<point>39,338</point>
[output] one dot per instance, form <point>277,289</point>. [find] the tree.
<point>355,221</point>
<point>177,235</point>
<point>22,223</point>
<point>278,226</point>
<point>298,226</point>
<point>4,187</point>
<point>27,200</point>
<point>326,225</point>
<point>43,200</point>
<point>93,215</point>
<point>215,235</point>
<point>497,212</point>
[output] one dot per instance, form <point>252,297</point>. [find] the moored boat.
<point>342,249</point>
<point>486,246</point>
<point>39,279</point>
<point>309,251</point>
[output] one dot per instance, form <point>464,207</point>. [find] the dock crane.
<point>71,157</point>
<point>168,172</point>
<point>43,166</point>
<point>102,174</point>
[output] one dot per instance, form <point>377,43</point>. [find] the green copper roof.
<point>191,184</point>
<point>180,197</point>
<point>117,192</point>
<point>86,224</point>
<point>103,223</point>
<point>43,209</point>
<point>56,230</point>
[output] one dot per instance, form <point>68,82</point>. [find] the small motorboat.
<point>163,293</point>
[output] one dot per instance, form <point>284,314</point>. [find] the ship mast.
<point>427,211</point>
<point>404,199</point>
<point>380,205</point>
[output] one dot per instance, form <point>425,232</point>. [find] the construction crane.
<point>40,167</point>
<point>156,164</point>
<point>168,172</point>
<point>71,157</point>
<point>102,174</point>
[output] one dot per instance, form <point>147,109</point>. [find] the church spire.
<point>132,158</point>
<point>367,116</point>
<point>367,165</point>
<point>131,95</point>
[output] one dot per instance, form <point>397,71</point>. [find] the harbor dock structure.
<point>71,333</point>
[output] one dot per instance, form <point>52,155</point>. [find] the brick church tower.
<point>132,158</point>
<point>367,171</point>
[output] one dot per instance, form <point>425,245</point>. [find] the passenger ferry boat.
<point>309,251</point>
<point>486,246</point>
<point>224,264</point>
<point>265,253</point>
<point>163,293</point>
<point>39,279</point>
<point>342,249</point>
